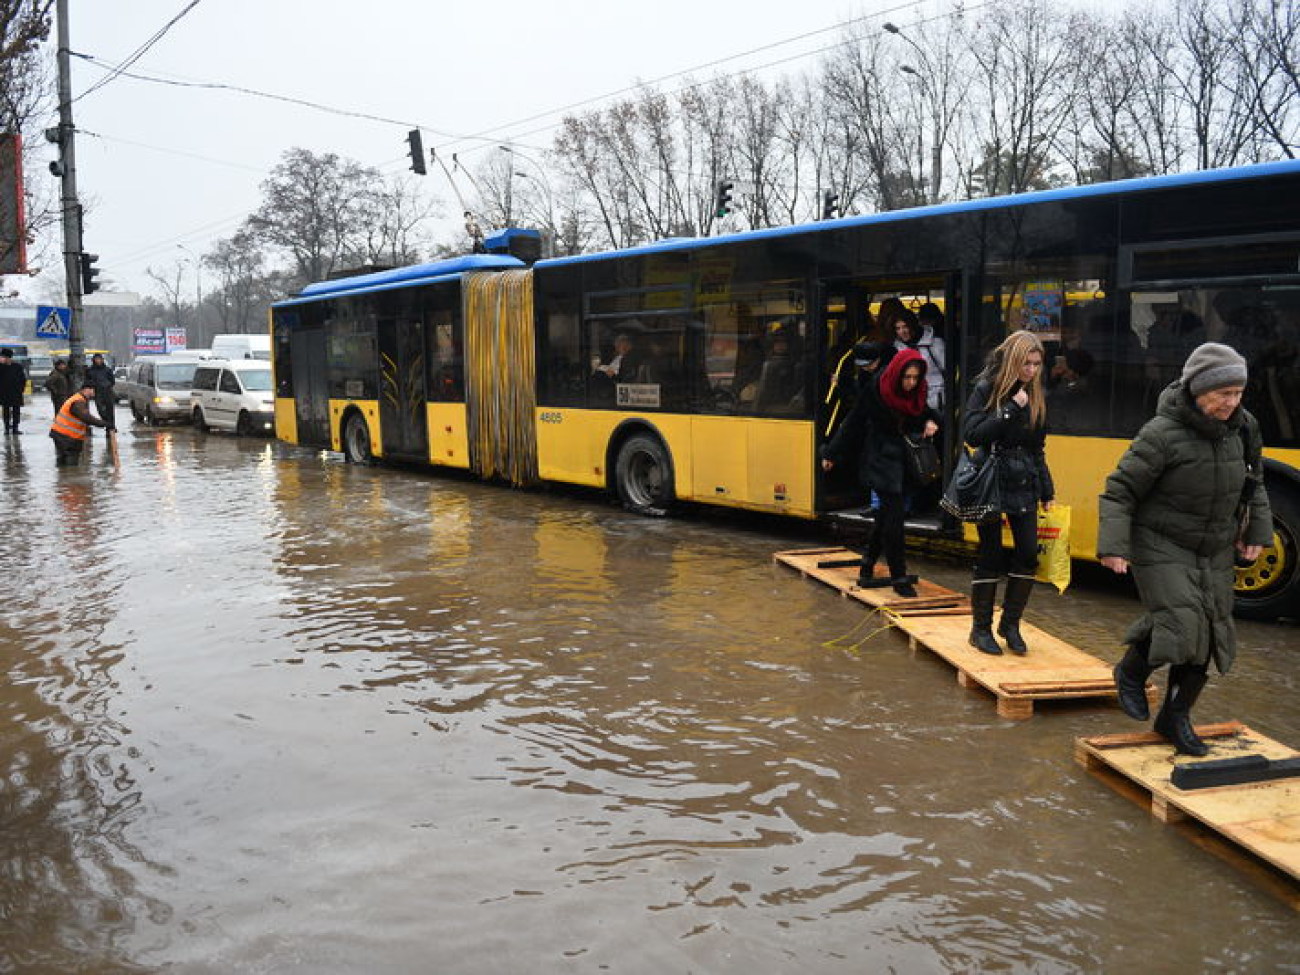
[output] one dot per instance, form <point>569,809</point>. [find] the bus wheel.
<point>643,475</point>
<point>200,424</point>
<point>356,440</point>
<point>1271,586</point>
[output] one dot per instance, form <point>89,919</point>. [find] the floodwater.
<point>261,711</point>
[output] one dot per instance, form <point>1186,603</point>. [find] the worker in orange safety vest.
<point>72,425</point>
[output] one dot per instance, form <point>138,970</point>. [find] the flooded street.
<point>265,712</point>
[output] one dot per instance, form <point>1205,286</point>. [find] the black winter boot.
<point>870,556</point>
<point>1019,589</point>
<point>1175,718</point>
<point>1131,675</point>
<point>983,594</point>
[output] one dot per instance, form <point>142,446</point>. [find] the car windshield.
<point>256,380</point>
<point>177,375</point>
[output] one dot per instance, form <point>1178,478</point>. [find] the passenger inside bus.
<point>780,383</point>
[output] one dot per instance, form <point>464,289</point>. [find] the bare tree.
<point>392,215</point>
<point>26,86</point>
<point>314,209</point>
<point>239,267</point>
<point>1022,55</point>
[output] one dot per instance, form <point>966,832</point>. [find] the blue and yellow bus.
<point>701,370</point>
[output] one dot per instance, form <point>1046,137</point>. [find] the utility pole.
<point>71,208</point>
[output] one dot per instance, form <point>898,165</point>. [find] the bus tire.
<point>356,440</point>
<point>200,424</point>
<point>643,475</point>
<point>1270,588</point>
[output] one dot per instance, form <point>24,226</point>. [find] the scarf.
<point>891,385</point>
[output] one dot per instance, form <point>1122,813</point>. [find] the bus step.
<point>859,519</point>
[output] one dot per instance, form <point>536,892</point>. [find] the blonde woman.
<point>1006,416</point>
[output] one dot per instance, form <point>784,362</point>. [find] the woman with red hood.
<point>890,406</point>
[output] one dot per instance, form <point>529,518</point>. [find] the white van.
<point>233,394</point>
<point>241,347</point>
<point>158,388</point>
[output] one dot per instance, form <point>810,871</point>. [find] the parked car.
<point>158,388</point>
<point>234,394</point>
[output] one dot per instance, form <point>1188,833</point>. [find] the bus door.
<point>864,309</point>
<point>403,417</point>
<point>310,385</point>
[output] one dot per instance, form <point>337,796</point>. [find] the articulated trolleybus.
<point>706,370</point>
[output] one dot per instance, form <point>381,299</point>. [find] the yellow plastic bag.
<point>1053,546</point>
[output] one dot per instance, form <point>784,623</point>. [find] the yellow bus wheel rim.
<point>1266,571</point>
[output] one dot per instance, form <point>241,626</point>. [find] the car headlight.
<point>164,400</point>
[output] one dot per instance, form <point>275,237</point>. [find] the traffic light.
<point>89,273</point>
<point>830,204</point>
<point>724,198</point>
<point>417,151</point>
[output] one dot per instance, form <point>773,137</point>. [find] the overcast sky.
<point>162,168</point>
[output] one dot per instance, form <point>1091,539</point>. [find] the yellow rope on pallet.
<point>500,374</point>
<point>839,642</point>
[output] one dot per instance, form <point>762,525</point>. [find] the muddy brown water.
<point>261,711</point>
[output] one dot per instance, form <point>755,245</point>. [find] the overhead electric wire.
<point>138,53</point>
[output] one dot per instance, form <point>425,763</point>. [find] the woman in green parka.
<point>1186,498</point>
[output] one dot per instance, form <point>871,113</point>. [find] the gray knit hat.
<point>1213,366</point>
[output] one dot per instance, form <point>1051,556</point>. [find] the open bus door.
<point>851,312</point>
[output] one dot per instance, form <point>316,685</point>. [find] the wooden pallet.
<point>1052,670</point>
<point>1255,826</point>
<point>938,619</point>
<point>930,597</point>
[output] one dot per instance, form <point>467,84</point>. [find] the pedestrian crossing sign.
<point>53,322</point>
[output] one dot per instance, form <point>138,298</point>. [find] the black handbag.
<point>923,467</point>
<point>973,493</point>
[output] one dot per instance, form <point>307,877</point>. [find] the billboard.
<point>13,223</point>
<point>176,341</point>
<point>148,341</point>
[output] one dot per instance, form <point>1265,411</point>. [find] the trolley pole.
<point>71,208</point>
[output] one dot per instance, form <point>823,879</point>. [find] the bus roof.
<point>403,277</point>
<point>1113,188</point>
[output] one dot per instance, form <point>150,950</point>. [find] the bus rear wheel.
<point>643,475</point>
<point>1270,588</point>
<point>356,440</point>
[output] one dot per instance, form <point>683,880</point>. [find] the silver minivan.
<point>234,394</point>
<point>157,388</point>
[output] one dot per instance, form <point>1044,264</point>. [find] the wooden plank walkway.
<point>939,620</point>
<point>1255,825</point>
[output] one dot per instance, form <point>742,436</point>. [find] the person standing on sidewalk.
<point>101,377</point>
<point>1187,496</point>
<point>13,383</point>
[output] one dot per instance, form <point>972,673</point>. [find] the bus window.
<point>755,357</point>
<point>1264,326</point>
<point>446,358</point>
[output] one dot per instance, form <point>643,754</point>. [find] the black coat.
<point>1023,477</point>
<point>13,382</point>
<point>874,433</point>
<point>101,377</point>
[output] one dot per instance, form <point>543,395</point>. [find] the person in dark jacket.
<point>1006,416</point>
<point>1185,497</point>
<point>890,406</point>
<point>59,383</point>
<point>101,377</point>
<point>13,383</point>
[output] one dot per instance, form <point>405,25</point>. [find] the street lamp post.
<point>929,92</point>
<point>198,288</point>
<point>539,180</point>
